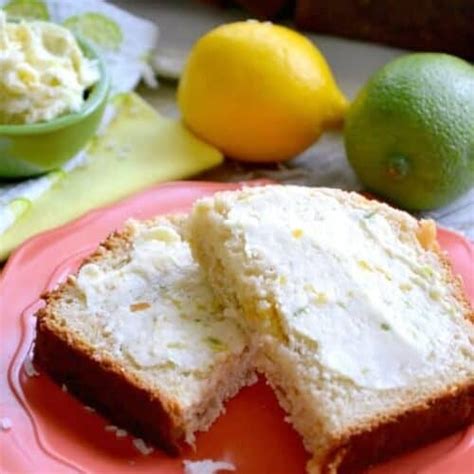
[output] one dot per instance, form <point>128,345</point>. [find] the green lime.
<point>27,9</point>
<point>409,134</point>
<point>97,28</point>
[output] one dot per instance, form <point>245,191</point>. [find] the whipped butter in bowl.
<point>53,90</point>
<point>43,72</point>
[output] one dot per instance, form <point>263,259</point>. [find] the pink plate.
<point>53,432</point>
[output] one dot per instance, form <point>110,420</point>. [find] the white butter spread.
<point>43,72</point>
<point>348,290</point>
<point>157,309</point>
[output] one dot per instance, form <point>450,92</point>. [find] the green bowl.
<point>32,149</point>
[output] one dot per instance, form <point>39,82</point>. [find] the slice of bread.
<point>138,334</point>
<point>367,335</point>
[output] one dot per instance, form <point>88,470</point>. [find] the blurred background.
<point>427,25</point>
<point>144,141</point>
<point>357,37</point>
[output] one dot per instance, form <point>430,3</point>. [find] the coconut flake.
<point>121,433</point>
<point>111,428</point>
<point>142,447</point>
<point>88,408</point>
<point>207,466</point>
<point>5,424</point>
<point>30,370</point>
<point>64,387</point>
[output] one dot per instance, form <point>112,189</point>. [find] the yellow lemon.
<point>258,92</point>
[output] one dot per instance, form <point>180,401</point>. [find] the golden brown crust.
<point>104,385</point>
<point>456,283</point>
<point>118,242</point>
<point>419,425</point>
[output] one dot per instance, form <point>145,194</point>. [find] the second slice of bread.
<point>138,334</point>
<point>367,336</point>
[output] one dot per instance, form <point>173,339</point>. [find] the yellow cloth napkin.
<point>138,148</point>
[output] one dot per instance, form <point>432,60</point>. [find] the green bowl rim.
<point>99,92</point>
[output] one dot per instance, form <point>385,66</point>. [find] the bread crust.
<point>422,424</point>
<point>102,384</point>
